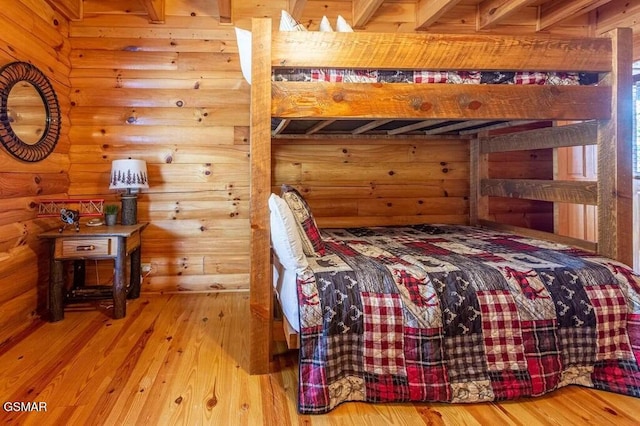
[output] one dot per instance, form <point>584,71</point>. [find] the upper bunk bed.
<point>603,111</point>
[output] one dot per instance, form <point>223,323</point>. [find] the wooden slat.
<point>429,11</point>
<point>414,126</point>
<point>551,137</point>
<point>261,299</point>
<point>586,245</point>
<point>455,126</point>
<point>503,125</point>
<point>319,126</point>
<point>369,126</point>
<point>577,192</point>
<point>552,12</point>
<point>615,190</point>
<point>280,127</point>
<point>363,10</point>
<point>491,12</point>
<point>438,101</point>
<point>313,49</point>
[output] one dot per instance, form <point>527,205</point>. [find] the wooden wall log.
<point>33,32</point>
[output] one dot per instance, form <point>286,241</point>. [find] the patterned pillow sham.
<point>312,243</point>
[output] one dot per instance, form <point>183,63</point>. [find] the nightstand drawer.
<point>85,248</point>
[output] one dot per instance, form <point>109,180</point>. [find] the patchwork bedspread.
<point>461,314</point>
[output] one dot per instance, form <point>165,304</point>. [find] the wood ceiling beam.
<point>491,12</point>
<point>363,10</point>
<point>155,10</point>
<point>71,9</point>
<point>553,12</point>
<point>429,11</point>
<point>296,7</point>
<point>224,11</point>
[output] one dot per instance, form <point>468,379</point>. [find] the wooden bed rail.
<point>310,49</point>
<point>612,193</point>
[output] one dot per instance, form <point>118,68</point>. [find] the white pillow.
<point>287,23</point>
<point>342,26</point>
<point>325,25</point>
<point>243,38</point>
<point>285,239</point>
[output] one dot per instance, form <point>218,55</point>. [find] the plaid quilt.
<point>425,76</point>
<point>461,314</point>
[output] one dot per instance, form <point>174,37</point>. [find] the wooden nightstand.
<point>94,243</point>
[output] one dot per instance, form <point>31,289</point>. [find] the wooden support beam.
<point>261,296</point>
<point>71,9</point>
<point>363,10</point>
<point>224,11</point>
<point>429,11</point>
<point>155,10</point>
<point>577,192</point>
<point>615,191</point>
<point>550,137</point>
<point>551,13</point>
<point>491,12</point>
<point>478,171</point>
<point>296,7</point>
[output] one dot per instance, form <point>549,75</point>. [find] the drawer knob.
<point>85,248</point>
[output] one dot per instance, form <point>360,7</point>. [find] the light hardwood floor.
<point>181,359</point>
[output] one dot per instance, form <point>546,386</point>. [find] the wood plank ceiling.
<point>489,12</point>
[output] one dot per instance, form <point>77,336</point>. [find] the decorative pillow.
<point>287,23</point>
<point>325,25</point>
<point>309,233</point>
<point>243,38</point>
<point>285,237</point>
<point>342,26</point>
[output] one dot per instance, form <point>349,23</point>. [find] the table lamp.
<point>131,176</point>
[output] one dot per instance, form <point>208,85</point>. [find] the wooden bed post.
<point>261,299</point>
<point>615,203</point>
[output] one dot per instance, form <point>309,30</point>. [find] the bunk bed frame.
<point>607,106</point>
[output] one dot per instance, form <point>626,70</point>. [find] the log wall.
<point>375,182</point>
<point>171,94</point>
<point>32,32</point>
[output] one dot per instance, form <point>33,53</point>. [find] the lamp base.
<point>129,209</point>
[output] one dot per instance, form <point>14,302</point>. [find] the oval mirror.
<point>29,112</point>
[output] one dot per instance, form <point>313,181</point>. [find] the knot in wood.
<point>474,105</point>
<point>338,97</point>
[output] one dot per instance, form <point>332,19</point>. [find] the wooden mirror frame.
<point>10,75</point>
